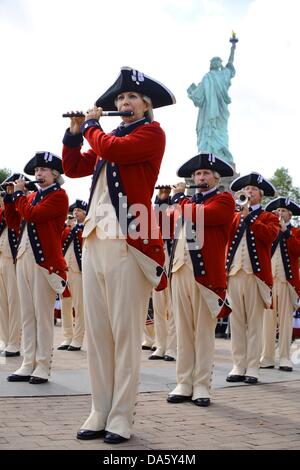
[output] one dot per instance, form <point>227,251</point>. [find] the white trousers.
<point>164,324</point>
<point>281,315</point>
<point>10,314</point>
<point>148,337</point>
<point>246,323</point>
<point>73,331</point>
<point>195,329</point>
<point>116,296</point>
<point>37,300</point>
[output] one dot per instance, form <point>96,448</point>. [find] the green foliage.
<point>4,173</point>
<point>283,183</point>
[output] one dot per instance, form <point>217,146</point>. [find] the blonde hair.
<point>149,113</point>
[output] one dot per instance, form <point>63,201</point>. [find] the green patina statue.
<point>212,99</point>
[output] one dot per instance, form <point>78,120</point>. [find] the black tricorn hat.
<point>253,179</point>
<point>15,176</point>
<point>207,161</point>
<point>132,80</point>
<point>283,203</point>
<point>78,204</point>
<point>44,159</point>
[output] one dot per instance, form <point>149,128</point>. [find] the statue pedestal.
<point>227,180</point>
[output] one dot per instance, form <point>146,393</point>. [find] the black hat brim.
<point>44,159</point>
<point>132,80</point>
<point>281,203</point>
<point>78,204</point>
<point>253,179</point>
<point>205,161</point>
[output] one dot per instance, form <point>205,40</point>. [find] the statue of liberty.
<point>212,99</point>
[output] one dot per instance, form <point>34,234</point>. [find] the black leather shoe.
<point>63,347</point>
<point>86,434</point>
<point>10,354</point>
<point>37,380</point>
<point>168,358</point>
<point>266,367</point>
<point>112,438</point>
<point>250,380</point>
<point>74,348</point>
<point>235,378</point>
<point>178,398</point>
<point>202,401</point>
<point>286,368</point>
<point>18,378</point>
<point>153,357</point>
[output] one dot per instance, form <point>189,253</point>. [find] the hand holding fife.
<point>76,121</point>
<point>9,188</point>
<point>282,224</point>
<point>93,113</point>
<point>19,185</point>
<point>75,124</point>
<point>164,193</point>
<point>245,210</point>
<point>179,188</point>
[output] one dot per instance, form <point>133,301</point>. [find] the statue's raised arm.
<point>212,99</point>
<point>233,41</point>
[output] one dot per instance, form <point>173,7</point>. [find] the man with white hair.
<point>41,268</point>
<point>249,276</point>
<point>198,277</point>
<point>286,286</point>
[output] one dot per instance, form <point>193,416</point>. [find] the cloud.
<point>14,12</point>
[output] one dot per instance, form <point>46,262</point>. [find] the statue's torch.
<point>233,38</point>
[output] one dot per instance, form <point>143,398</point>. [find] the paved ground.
<point>264,416</point>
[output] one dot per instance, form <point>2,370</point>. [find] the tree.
<point>283,183</point>
<point>4,173</point>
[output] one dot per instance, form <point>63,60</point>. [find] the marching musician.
<point>249,275</point>
<point>121,258</point>
<point>10,313</point>
<point>72,251</point>
<point>198,277</point>
<point>41,268</point>
<point>164,324</point>
<point>286,286</point>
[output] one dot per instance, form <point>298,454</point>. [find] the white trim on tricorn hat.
<point>44,159</point>
<point>283,203</point>
<point>132,80</point>
<point>253,179</point>
<point>208,161</point>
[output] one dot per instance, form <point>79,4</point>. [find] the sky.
<point>60,55</point>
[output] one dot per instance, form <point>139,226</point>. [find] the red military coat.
<point>290,253</point>
<point>73,237</point>
<point>137,156</point>
<point>218,213</point>
<point>263,229</point>
<point>48,217</point>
